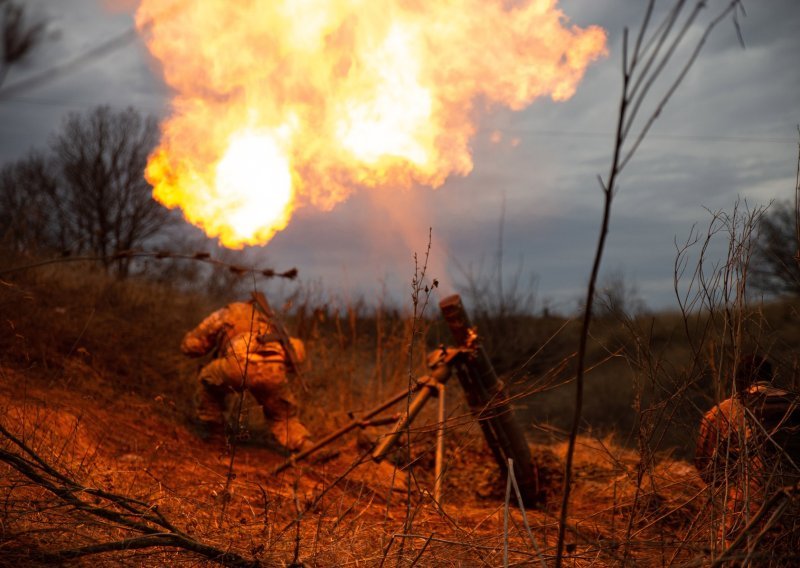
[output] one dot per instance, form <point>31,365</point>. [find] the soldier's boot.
<point>280,413</point>
<point>295,438</point>
<point>209,423</point>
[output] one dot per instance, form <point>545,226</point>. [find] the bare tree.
<point>100,158</point>
<point>88,194</point>
<point>775,267</point>
<point>32,214</point>
<point>17,36</point>
<point>617,297</point>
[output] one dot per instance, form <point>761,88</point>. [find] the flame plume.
<point>284,104</point>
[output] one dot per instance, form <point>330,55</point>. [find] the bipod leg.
<point>362,422</point>
<point>440,362</point>
<point>416,404</point>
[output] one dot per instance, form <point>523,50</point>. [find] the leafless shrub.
<point>618,298</point>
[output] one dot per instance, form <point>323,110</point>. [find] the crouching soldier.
<point>251,353</point>
<point>749,446</point>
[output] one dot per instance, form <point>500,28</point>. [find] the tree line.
<point>86,192</point>
<point>776,260</point>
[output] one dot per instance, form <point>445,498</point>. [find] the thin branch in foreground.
<point>154,530</point>
<point>630,102</point>
<point>156,540</point>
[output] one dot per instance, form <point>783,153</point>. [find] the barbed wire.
<point>204,257</point>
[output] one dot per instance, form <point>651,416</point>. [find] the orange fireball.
<point>283,104</point>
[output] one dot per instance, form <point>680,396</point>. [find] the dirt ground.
<point>335,513</point>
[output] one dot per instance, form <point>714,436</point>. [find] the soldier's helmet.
<point>750,369</point>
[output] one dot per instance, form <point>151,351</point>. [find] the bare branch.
<point>133,515</point>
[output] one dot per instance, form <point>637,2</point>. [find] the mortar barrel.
<point>489,402</point>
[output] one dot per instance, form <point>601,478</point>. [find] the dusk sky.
<point>729,132</point>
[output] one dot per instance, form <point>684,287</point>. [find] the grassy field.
<point>101,464</point>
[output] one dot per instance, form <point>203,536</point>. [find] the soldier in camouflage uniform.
<point>248,355</point>
<point>748,445</point>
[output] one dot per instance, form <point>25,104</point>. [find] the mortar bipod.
<point>440,362</point>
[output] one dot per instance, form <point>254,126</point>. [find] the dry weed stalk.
<point>420,295</point>
<point>647,62</point>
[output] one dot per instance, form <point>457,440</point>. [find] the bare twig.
<point>513,479</point>
<point>156,531</point>
<point>460,543</point>
<point>420,295</point>
<point>505,513</point>
<point>777,503</point>
<point>152,541</point>
<point>421,551</point>
<point>636,84</point>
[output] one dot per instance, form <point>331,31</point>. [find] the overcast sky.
<point>729,132</point>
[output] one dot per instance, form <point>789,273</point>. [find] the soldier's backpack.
<point>778,413</point>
